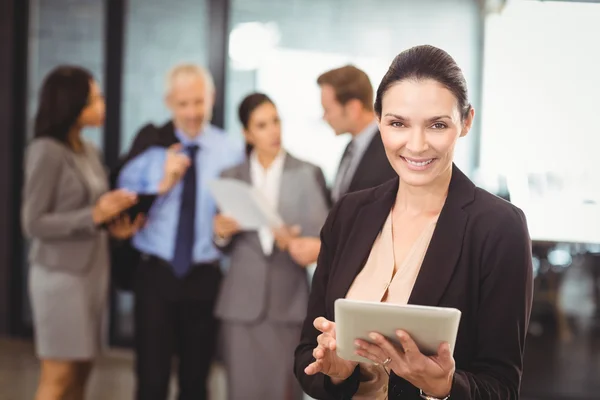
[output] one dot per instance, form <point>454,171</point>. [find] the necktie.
<point>184,242</point>
<point>342,180</point>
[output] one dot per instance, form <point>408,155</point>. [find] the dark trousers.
<point>174,316</point>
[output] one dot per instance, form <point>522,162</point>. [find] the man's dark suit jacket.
<point>124,257</point>
<point>478,260</point>
<point>373,168</point>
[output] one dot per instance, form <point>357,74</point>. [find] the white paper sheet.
<point>242,202</point>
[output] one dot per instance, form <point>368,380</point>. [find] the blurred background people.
<point>347,101</point>
<point>263,298</point>
<point>66,204</point>
<point>178,277</point>
<point>193,115</point>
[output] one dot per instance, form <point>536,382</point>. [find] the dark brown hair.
<point>426,62</point>
<point>64,95</point>
<point>349,83</point>
<point>247,107</point>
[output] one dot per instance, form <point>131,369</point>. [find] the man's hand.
<point>176,165</point>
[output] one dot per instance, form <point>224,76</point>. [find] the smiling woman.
<point>423,110</point>
<point>429,237</point>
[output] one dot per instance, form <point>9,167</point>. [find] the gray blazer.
<point>274,286</point>
<point>57,206</point>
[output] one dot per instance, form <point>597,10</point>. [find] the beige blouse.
<point>377,282</point>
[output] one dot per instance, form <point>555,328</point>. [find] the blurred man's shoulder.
<point>218,135</point>
<point>223,139</point>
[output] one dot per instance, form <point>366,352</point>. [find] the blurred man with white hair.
<point>177,277</point>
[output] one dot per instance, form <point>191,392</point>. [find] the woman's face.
<point>94,111</point>
<point>264,130</point>
<point>420,124</point>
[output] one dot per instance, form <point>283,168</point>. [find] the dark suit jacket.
<point>478,260</point>
<point>124,257</point>
<point>373,168</point>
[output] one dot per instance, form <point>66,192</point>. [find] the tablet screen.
<point>428,326</point>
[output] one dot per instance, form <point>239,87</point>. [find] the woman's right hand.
<point>111,204</point>
<point>326,359</point>
<point>225,227</point>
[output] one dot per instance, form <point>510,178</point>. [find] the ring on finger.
<point>387,361</point>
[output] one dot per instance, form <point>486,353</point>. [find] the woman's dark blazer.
<point>478,260</point>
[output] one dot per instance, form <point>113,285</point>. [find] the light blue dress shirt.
<point>143,175</point>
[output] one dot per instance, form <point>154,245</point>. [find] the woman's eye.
<point>397,124</point>
<point>439,125</point>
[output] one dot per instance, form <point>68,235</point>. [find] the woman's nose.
<point>417,142</point>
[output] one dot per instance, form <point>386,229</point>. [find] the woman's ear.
<point>468,123</point>
<point>248,136</point>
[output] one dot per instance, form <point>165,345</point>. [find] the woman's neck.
<point>419,200</point>
<point>74,139</point>
<point>265,159</point>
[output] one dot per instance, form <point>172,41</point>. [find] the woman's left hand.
<point>433,375</point>
<point>284,234</point>
<point>123,228</point>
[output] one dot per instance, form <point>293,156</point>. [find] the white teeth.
<point>418,164</point>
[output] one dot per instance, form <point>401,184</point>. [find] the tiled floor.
<point>554,369</point>
<point>112,379</point>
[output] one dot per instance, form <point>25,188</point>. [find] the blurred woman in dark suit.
<point>66,204</point>
<point>263,298</point>
<point>429,237</point>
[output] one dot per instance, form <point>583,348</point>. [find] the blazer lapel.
<point>244,172</point>
<point>364,230</point>
<point>287,190</point>
<point>244,175</point>
<point>70,156</point>
<point>446,243</point>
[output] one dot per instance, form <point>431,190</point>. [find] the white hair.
<point>192,70</point>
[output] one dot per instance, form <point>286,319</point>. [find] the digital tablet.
<point>428,326</point>
<point>142,206</point>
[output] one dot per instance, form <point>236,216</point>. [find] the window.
<point>539,106</point>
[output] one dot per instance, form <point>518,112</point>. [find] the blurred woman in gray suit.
<point>264,296</point>
<point>66,204</point>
